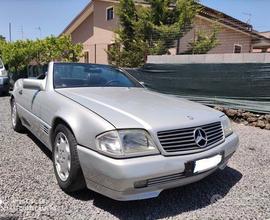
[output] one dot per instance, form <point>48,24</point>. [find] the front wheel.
<point>15,119</point>
<point>65,160</point>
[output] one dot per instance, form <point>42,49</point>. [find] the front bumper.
<point>119,178</point>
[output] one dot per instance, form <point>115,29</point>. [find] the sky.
<point>40,18</point>
<point>256,12</point>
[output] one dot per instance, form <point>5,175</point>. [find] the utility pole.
<point>9,28</point>
<point>39,29</point>
<point>22,32</point>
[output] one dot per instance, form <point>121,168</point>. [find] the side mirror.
<point>34,84</point>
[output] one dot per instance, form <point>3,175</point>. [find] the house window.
<point>86,57</point>
<point>237,48</point>
<point>110,13</point>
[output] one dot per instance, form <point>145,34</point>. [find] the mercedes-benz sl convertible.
<point>109,133</point>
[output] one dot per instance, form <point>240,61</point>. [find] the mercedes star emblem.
<point>200,137</point>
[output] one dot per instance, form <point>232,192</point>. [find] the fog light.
<point>141,184</point>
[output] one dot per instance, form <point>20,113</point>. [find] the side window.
<point>109,13</point>
<point>237,48</point>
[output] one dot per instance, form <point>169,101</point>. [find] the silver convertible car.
<point>110,134</point>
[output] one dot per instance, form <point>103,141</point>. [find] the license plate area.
<point>203,165</point>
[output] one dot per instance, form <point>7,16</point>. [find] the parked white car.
<point>109,133</point>
<point>4,80</point>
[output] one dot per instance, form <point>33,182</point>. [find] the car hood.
<point>141,108</point>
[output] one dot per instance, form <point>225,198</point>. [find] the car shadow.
<point>40,145</point>
<point>170,202</point>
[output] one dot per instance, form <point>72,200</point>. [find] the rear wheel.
<point>65,160</point>
<point>15,120</point>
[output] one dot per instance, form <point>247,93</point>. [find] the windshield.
<point>70,75</point>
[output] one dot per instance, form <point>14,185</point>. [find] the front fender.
<point>84,123</point>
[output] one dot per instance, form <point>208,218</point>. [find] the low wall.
<point>211,58</point>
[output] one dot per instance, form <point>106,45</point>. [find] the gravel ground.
<point>28,188</point>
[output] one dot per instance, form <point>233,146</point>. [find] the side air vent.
<point>45,129</point>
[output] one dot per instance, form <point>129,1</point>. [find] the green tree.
<point>204,42</point>
<point>150,30</point>
<point>128,49</point>
<point>57,49</point>
<point>127,16</point>
<point>18,54</point>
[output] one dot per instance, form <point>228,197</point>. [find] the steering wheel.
<point>111,81</point>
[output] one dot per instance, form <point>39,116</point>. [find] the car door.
<point>27,99</point>
<point>43,105</point>
<point>42,108</point>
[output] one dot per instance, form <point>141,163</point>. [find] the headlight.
<point>226,124</point>
<point>126,143</point>
<point>3,73</point>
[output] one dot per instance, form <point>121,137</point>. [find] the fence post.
<point>95,53</point>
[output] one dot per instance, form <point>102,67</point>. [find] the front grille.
<point>180,140</point>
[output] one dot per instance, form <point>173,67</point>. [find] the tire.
<point>65,158</point>
<point>15,119</point>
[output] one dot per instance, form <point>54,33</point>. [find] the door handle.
<point>20,92</point>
